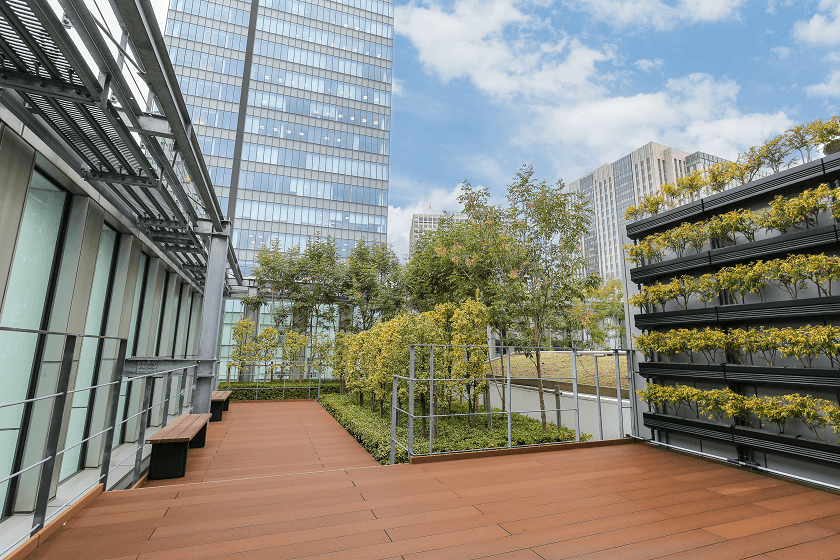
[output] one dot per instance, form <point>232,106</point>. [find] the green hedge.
<point>454,434</point>
<point>273,391</point>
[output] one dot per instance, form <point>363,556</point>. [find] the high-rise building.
<point>291,102</point>
<point>613,187</point>
<point>421,223</point>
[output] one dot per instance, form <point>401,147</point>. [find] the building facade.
<point>613,187</point>
<point>421,223</point>
<point>291,102</point>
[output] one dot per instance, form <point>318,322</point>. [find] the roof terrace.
<point>284,480</point>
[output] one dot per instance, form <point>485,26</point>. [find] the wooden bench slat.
<point>182,428</point>
<point>221,395</point>
<point>170,428</point>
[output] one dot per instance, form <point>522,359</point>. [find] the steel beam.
<point>119,178</point>
<point>157,222</point>
<point>141,24</point>
<point>173,237</point>
<point>46,87</point>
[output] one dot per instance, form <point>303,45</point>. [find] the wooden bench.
<point>170,444</point>
<point>219,402</point>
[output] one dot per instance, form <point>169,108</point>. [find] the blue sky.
<point>483,86</point>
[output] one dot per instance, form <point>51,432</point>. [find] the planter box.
<point>819,307</point>
<point>737,374</point>
<point>824,237</point>
<point>796,446</point>
<point>688,372</point>
<point>690,426</point>
<point>797,178</point>
<point>740,436</point>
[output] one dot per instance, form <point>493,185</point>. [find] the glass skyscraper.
<point>291,102</point>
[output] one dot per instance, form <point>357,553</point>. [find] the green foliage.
<point>274,390</point>
<point>719,404</point>
<point>773,154</point>
<point>791,273</point>
<point>454,434</point>
<point>805,343</point>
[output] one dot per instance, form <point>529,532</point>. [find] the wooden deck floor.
<point>241,502</point>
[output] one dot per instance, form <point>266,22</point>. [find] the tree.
<point>534,257</point>
<point>251,349</point>
<point>373,287</point>
<point>277,277</point>
<point>315,305</point>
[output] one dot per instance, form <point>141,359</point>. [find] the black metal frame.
<point>735,375</point>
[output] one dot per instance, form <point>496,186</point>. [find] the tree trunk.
<point>361,398</point>
<point>540,388</point>
<point>342,385</point>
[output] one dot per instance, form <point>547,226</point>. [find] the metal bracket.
<point>119,178</point>
<point>46,87</point>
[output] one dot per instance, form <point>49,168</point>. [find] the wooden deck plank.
<point>283,480</point>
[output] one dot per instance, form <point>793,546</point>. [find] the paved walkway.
<point>622,502</point>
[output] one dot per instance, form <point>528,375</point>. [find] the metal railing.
<point>269,377</point>
<point>57,425</point>
<point>268,386</point>
<point>508,382</point>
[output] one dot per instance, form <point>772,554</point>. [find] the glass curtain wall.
<point>88,365</point>
<point>26,304</point>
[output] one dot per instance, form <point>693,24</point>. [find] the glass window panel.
<point>26,298</point>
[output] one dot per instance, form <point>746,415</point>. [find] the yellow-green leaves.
<point>719,404</point>
<point>806,343</point>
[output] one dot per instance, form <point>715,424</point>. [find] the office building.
<point>421,223</point>
<point>291,102</point>
<point>613,187</point>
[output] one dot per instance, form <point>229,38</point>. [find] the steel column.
<point>411,402</point>
<point>211,316</point>
<point>598,398</point>
<point>621,433</point>
<point>394,392</point>
<point>166,393</point>
<point>112,414</point>
<point>141,437</point>
<point>431,399</point>
<point>509,399</point>
<point>54,433</point>
<point>575,394</point>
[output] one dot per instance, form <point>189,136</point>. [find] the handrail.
<point>59,333</point>
<point>56,425</point>
<point>412,380</point>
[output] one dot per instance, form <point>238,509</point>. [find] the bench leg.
<point>168,460</point>
<point>227,404</point>
<point>216,408</point>
<point>198,440</point>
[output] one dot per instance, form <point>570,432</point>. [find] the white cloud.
<point>397,87</point>
<point>830,88</point>
<point>562,98</point>
<point>661,15</point>
<point>694,112</point>
<point>781,52</point>
<point>823,29</point>
<point>437,201</point>
<point>646,65</point>
<point>480,32</point>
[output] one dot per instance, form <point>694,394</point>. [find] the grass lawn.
<point>556,365</point>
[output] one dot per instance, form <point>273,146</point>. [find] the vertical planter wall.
<point>796,451</point>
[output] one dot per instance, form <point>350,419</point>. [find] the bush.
<point>454,434</point>
<point>274,391</point>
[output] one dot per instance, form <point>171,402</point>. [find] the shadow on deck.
<point>282,480</point>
